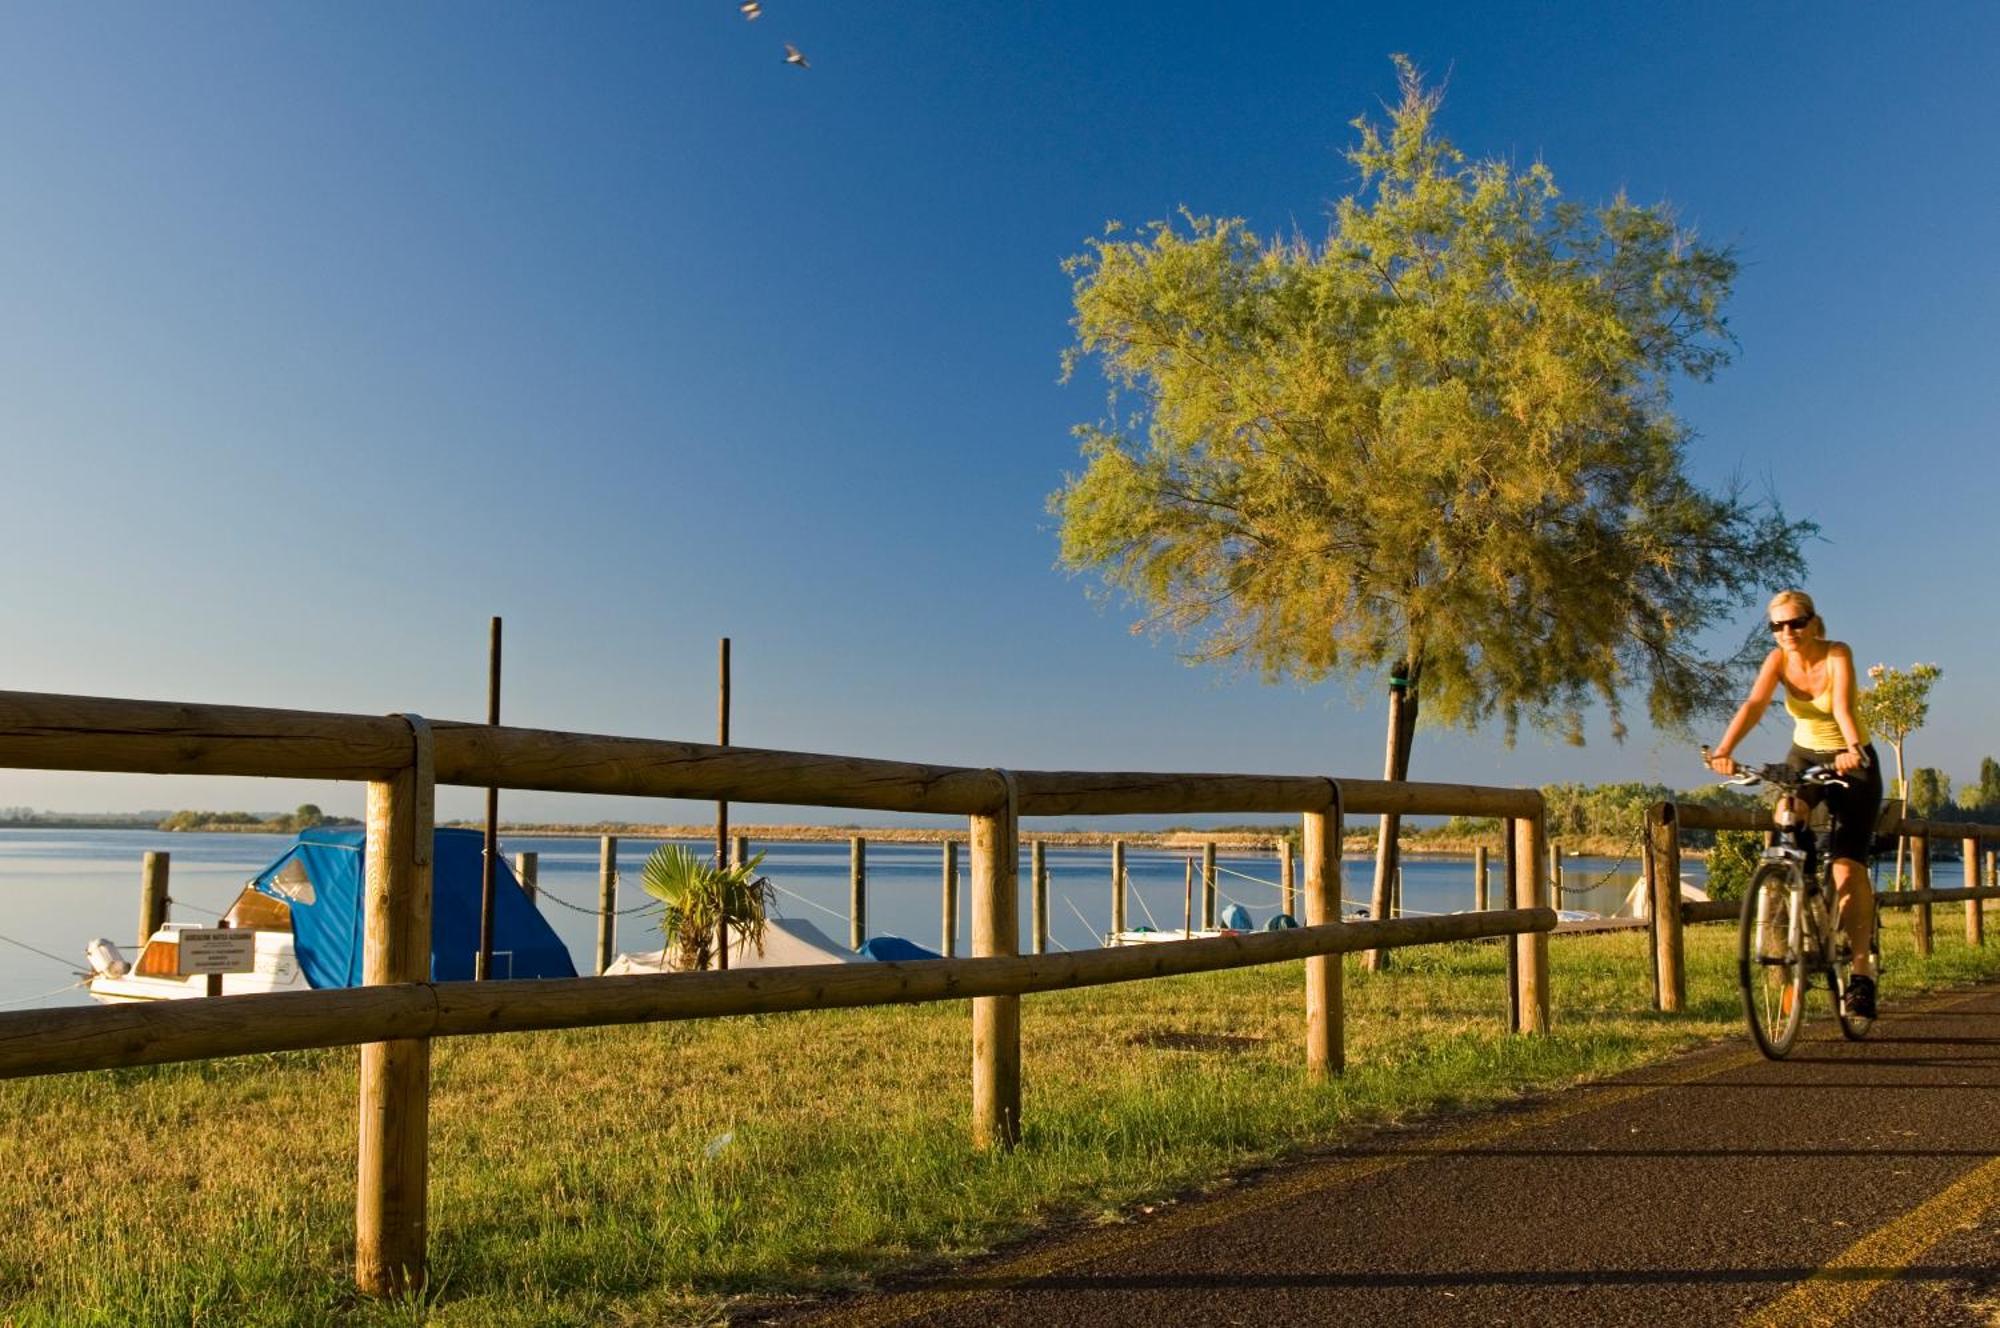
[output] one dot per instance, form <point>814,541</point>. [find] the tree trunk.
<point>1903,796</point>
<point>1396,765</point>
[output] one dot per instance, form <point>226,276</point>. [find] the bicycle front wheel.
<point>1770,958</point>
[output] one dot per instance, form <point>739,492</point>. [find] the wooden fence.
<point>402,759</point>
<point>1669,914</point>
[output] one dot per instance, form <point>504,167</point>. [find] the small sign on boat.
<point>217,950</point>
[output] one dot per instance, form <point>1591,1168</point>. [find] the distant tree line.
<point>304,818</point>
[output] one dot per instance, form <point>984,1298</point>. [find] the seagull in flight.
<point>792,57</point>
<point>751,10</point>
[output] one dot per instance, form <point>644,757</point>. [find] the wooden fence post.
<point>1510,829</point>
<point>1555,875</point>
<point>1532,949</point>
<point>1288,901</point>
<point>607,900</point>
<point>996,1020</point>
<point>528,871</point>
<point>1117,886</point>
<point>949,885</point>
<point>1975,909</point>
<point>1920,879</point>
<point>1663,900</point>
<point>393,1180</point>
<point>1479,895</point>
<point>1038,898</point>
<point>1326,1046</point>
<point>152,894</point>
<point>857,892</point>
<point>739,850</point>
<point>1208,885</point>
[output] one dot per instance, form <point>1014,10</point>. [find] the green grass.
<point>572,1179</point>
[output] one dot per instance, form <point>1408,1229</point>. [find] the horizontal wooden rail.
<point>1700,816</point>
<point>1711,910</point>
<point>1409,798</point>
<point>65,1040</point>
<point>1108,793</point>
<point>1728,910</point>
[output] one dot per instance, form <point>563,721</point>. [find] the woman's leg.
<point>1856,895</point>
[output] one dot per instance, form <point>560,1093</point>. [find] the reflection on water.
<point>60,888</point>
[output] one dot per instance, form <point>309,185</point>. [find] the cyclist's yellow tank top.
<point>1813,725</point>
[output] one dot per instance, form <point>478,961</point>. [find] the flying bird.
<point>751,10</point>
<point>792,57</point>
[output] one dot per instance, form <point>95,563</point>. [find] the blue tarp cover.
<point>894,949</point>
<point>321,878</point>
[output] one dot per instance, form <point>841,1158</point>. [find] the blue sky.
<point>327,332</point>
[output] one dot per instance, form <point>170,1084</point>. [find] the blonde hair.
<point>1802,602</point>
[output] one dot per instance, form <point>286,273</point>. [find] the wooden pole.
<point>722,808</point>
<point>1920,874</point>
<point>1975,914</point>
<point>607,899</point>
<point>1663,835</point>
<point>1510,829</point>
<point>1038,898</point>
<point>1117,886</point>
<point>1555,875</point>
<point>1532,952</point>
<point>489,863</point>
<point>393,1173</point>
<point>1480,897</point>
<point>1187,902</point>
<point>1208,885</point>
<point>1326,1047</point>
<point>948,946</point>
<point>857,892</point>
<point>739,850</point>
<point>996,1020</point>
<point>1287,890</point>
<point>152,894</point>
<point>528,871</point>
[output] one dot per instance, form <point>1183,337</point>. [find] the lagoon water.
<point>60,888</point>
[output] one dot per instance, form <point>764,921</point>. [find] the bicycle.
<point>1788,932</point>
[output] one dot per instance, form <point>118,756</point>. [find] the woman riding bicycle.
<point>1818,677</point>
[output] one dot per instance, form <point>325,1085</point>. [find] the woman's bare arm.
<point>1749,714</point>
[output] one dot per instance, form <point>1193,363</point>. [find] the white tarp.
<point>1638,906</point>
<point>787,941</point>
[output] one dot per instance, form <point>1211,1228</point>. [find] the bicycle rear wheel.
<point>1770,965</point>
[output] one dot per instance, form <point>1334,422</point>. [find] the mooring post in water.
<point>1038,898</point>
<point>152,895</point>
<point>1117,886</point>
<point>1208,885</point>
<point>1920,879</point>
<point>1479,895</point>
<point>1975,917</point>
<point>390,1226</point>
<point>739,850</point>
<point>996,1020</point>
<point>1187,902</point>
<point>857,892</point>
<point>1663,901</point>
<point>528,871</point>
<point>1555,875</point>
<point>1288,895</point>
<point>1320,833</point>
<point>607,899</point>
<point>948,885</point>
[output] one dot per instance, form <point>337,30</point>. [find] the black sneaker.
<point>1860,997</point>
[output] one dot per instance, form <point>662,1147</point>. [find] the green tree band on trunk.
<point>1436,446</point>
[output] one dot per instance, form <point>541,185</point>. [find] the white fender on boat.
<point>104,958</point>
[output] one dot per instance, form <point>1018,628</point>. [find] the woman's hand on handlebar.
<point>1849,761</point>
<point>1719,763</point>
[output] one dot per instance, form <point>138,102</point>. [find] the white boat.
<point>787,941</point>
<point>156,976</point>
<point>1637,905</point>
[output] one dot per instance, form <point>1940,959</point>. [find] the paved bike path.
<point>1851,1183</point>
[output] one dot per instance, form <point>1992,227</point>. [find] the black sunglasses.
<point>1790,624</point>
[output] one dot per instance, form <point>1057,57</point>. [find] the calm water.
<point>60,888</point>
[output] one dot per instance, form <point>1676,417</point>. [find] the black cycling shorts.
<point>1852,809</point>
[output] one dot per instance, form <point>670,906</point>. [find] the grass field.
<point>661,1174</point>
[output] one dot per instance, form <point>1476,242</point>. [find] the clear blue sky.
<point>327,331</point>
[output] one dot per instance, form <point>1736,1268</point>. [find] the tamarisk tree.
<point>1435,447</point>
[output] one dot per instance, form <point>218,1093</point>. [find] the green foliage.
<point>307,816</point>
<point>1600,809</point>
<point>194,820</point>
<point>1930,790</point>
<point>1732,861</point>
<point>699,896</point>
<point>1896,703</point>
<point>1442,436</point>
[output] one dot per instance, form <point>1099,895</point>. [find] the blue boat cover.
<point>1237,918</point>
<point>320,877</point>
<point>890,949</point>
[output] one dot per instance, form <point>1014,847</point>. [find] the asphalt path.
<point>1853,1183</point>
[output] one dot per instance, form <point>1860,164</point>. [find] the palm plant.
<point>700,896</point>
